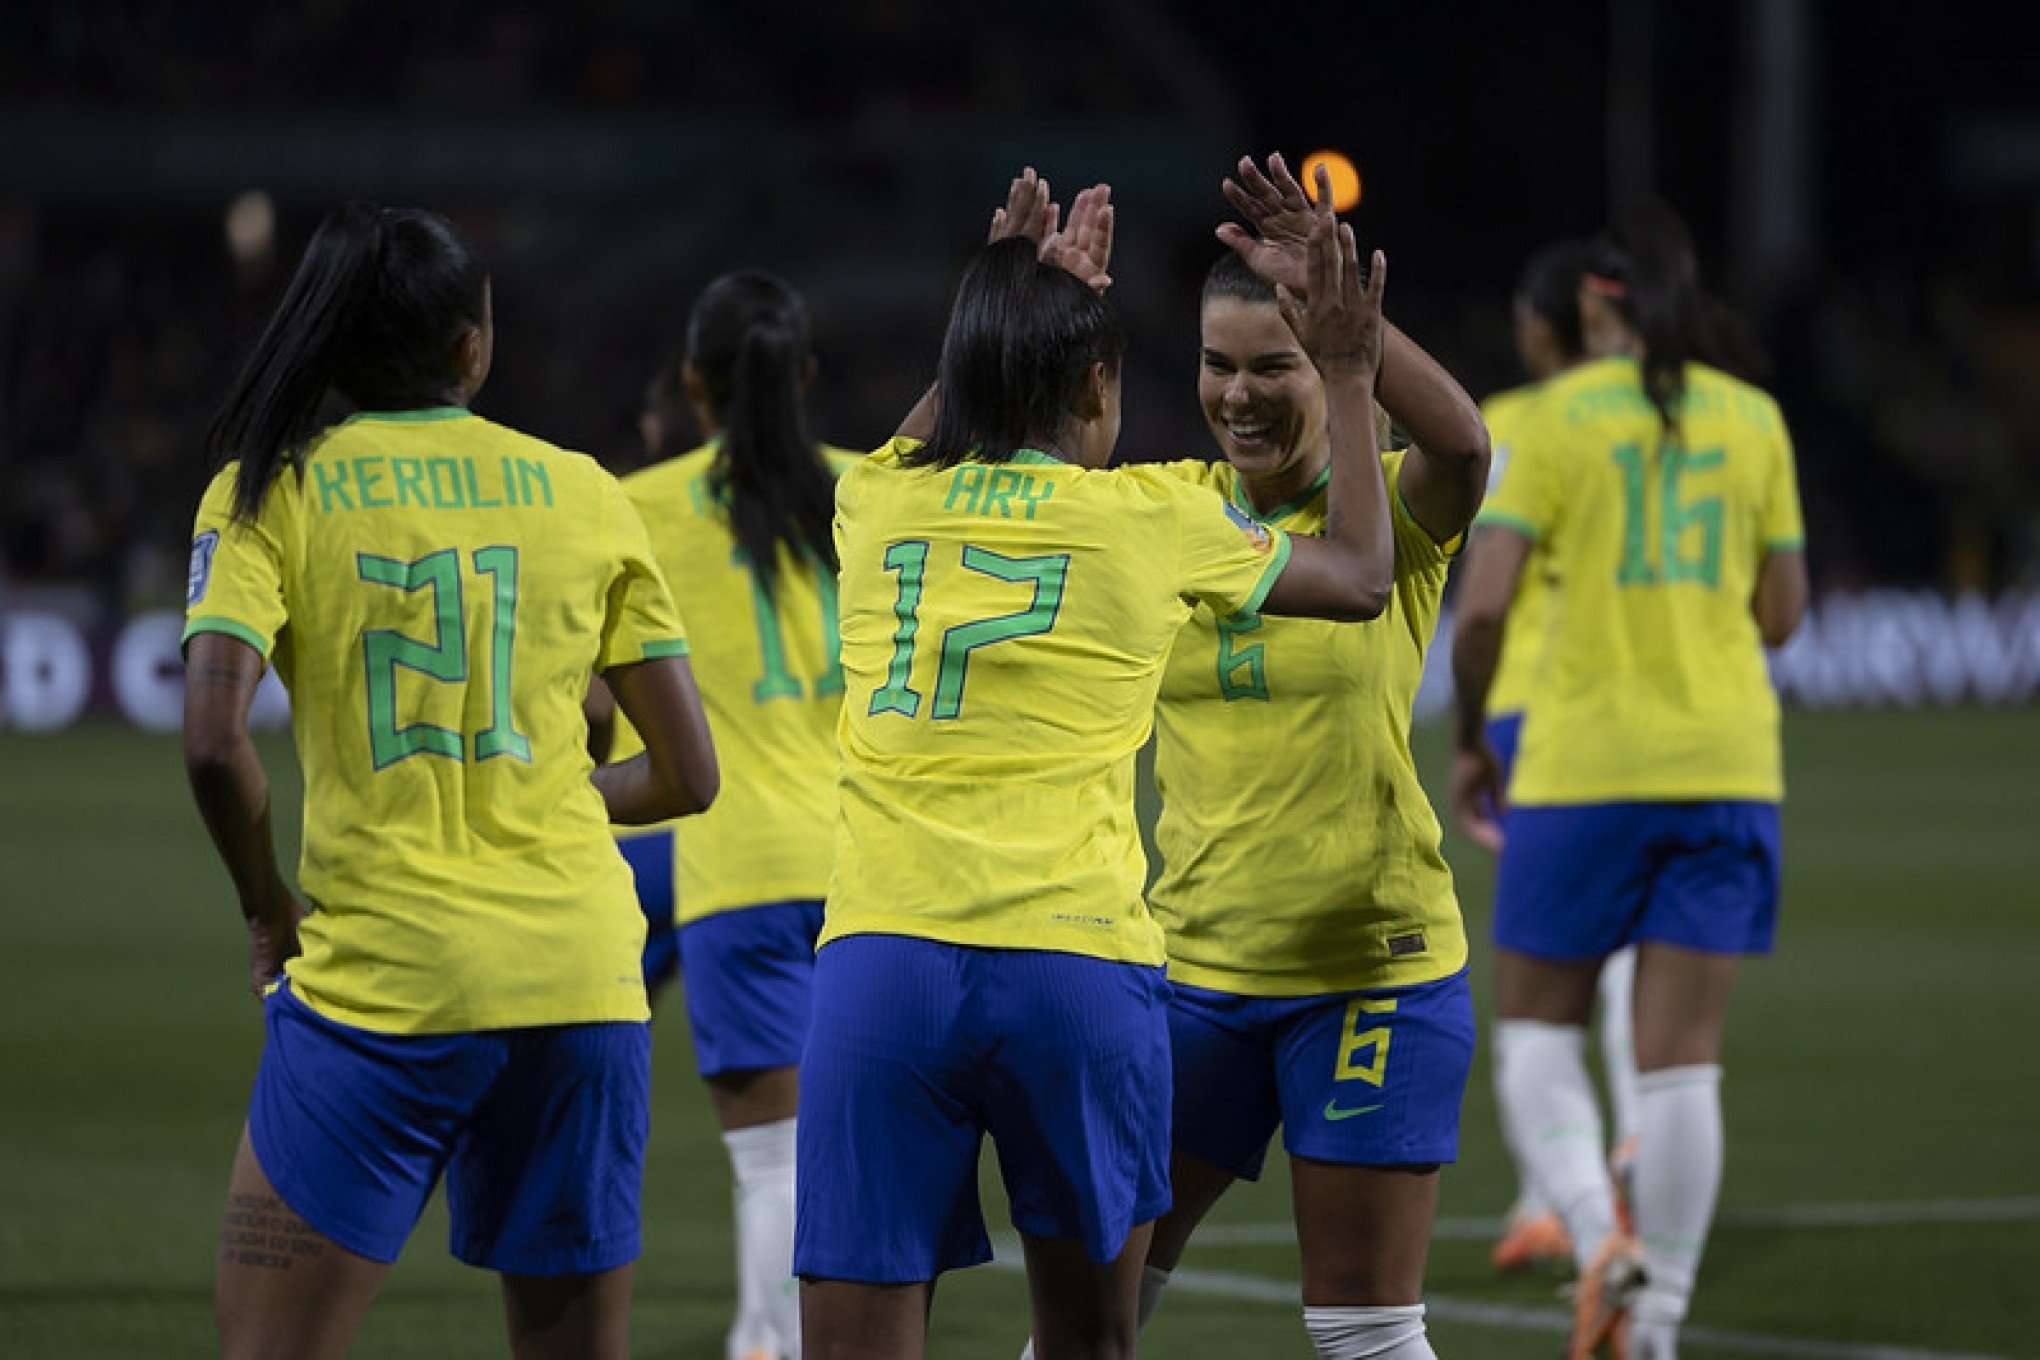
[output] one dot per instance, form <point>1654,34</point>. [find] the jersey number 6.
<point>909,560</point>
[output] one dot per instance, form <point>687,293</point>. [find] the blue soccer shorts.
<point>650,857</point>
<point>1370,1078</point>
<point>540,1133</point>
<point>749,976</point>
<point>1580,881</point>
<point>919,1050</point>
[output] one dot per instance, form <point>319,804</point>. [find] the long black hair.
<point>375,313</point>
<point>1550,287</point>
<point>747,340</point>
<point>1022,337</point>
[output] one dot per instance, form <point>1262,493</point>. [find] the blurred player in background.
<point>1316,952</point>
<point>433,589</point>
<point>1643,807</point>
<point>1549,341</point>
<point>988,965</point>
<point>743,525</point>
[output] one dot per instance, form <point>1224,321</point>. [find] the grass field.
<point>1888,1056</point>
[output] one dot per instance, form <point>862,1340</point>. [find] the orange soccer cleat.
<point>1607,1287</point>
<point>1532,1240</point>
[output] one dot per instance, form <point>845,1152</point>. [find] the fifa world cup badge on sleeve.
<point>202,549</point>
<point>1256,533</point>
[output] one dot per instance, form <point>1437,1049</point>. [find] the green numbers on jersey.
<point>1667,561</point>
<point>909,561</point>
<point>778,682</point>
<point>1242,671</point>
<point>444,658</point>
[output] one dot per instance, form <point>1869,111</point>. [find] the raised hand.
<point>1084,247</point>
<point>1338,320</point>
<point>1029,210</point>
<point>1282,217</point>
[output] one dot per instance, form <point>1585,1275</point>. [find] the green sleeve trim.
<point>1270,576</point>
<point>233,628</point>
<point>659,651</point>
<point>1784,545</point>
<point>418,416</point>
<point>1502,519</point>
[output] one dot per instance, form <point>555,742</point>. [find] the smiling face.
<point>1261,396</point>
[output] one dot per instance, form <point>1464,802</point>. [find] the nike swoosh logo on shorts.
<point>1335,1114</point>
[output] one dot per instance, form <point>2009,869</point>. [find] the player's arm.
<point>1349,574</point>
<point>232,791</point>
<point>599,710</point>
<point>677,773</point>
<point>1488,577</point>
<point>1083,248</point>
<point>1779,601</point>
<point>1445,473</point>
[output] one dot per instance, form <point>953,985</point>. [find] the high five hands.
<point>1313,261</point>
<point>1082,247</point>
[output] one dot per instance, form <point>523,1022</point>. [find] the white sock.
<point>768,1297</point>
<point>1529,1203</point>
<point>1368,1333</point>
<point>1153,1280</point>
<point>1618,1042</point>
<point>1548,1105</point>
<point>1678,1175</point>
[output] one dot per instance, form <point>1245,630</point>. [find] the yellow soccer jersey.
<point>1654,684</point>
<point>1004,633</point>
<point>1516,671</point>
<point>772,685</point>
<point>1300,855</point>
<point>434,590</point>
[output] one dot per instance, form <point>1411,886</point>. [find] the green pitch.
<point>1885,1061</point>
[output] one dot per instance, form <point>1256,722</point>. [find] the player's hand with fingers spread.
<point>1477,800</point>
<point>1282,217</point>
<point>1029,210</point>
<point>1338,322</point>
<point>1084,247</point>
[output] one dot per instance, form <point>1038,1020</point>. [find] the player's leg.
<point>1616,1019</point>
<point>1082,1309</point>
<point>1076,1093</point>
<point>1715,902</point>
<point>750,977</point>
<point>347,1133</point>
<point>888,1143</point>
<point>569,1317</point>
<point>1371,1086</point>
<point>283,1287</point>
<point>545,1186</point>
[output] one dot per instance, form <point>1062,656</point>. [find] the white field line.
<point>1886,1214</point>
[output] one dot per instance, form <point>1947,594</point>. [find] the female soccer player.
<point>1316,952</point>
<point>1549,341</point>
<point>744,520</point>
<point>464,995</point>
<point>1643,807</point>
<point>987,964</point>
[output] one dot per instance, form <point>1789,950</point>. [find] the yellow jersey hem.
<point>1043,941</point>
<point>1394,974</point>
<point>1709,793</point>
<point>586,1009</point>
<point>769,895</point>
<point>233,628</point>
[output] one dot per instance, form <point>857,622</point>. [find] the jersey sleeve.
<point>641,623</point>
<point>1784,529</point>
<point>235,585</point>
<point>1227,560</point>
<point>1415,549</point>
<point>1524,496</point>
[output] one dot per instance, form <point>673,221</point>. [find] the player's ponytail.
<point>1649,271</point>
<point>1022,337</point>
<point>747,339</point>
<point>375,313</point>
